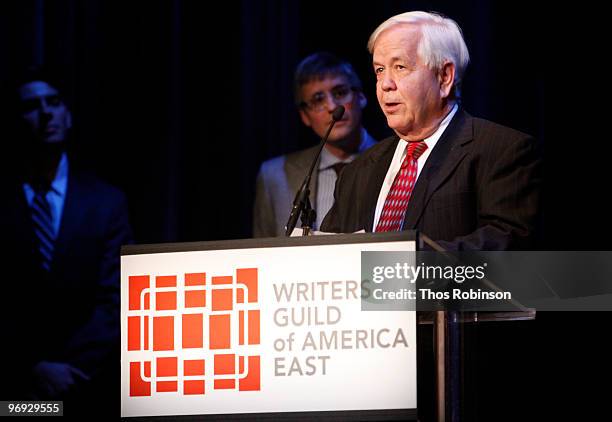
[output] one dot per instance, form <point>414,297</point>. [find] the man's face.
<point>327,93</point>
<point>44,113</point>
<point>409,93</point>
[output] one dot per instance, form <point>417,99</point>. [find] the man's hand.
<point>54,379</point>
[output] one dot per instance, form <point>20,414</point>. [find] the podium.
<point>274,328</point>
<point>447,333</point>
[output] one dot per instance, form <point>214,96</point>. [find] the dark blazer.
<point>70,314</point>
<point>478,190</point>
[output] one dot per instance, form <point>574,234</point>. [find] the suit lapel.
<point>444,159</point>
<point>72,215</point>
<point>18,231</point>
<point>379,165</point>
<point>21,216</point>
<point>296,170</point>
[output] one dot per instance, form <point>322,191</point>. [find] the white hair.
<point>441,41</point>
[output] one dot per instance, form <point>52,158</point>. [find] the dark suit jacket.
<point>478,190</point>
<point>70,314</point>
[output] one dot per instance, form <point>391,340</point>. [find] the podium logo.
<point>187,334</point>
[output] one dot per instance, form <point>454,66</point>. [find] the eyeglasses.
<point>341,94</point>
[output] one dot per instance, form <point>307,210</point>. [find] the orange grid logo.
<point>214,325</point>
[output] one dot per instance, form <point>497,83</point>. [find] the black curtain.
<point>178,103</point>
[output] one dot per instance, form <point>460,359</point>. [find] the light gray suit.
<point>277,183</point>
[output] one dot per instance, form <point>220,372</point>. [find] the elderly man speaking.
<point>468,183</point>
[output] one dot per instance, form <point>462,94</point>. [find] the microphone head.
<point>338,113</point>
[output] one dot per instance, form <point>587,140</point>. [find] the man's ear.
<point>446,78</point>
<point>305,118</point>
<point>363,101</point>
<point>68,119</point>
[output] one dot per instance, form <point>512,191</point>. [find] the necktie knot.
<point>413,152</point>
<point>415,149</point>
<point>338,167</point>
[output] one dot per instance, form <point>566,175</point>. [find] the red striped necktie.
<point>397,199</point>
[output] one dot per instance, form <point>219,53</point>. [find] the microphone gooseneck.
<point>301,198</point>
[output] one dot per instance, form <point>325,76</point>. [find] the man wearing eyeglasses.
<point>322,82</point>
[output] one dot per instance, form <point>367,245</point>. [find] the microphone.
<point>301,201</point>
<point>336,115</point>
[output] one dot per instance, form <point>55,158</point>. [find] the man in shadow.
<point>63,228</point>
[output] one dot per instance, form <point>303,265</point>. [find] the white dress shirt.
<point>56,196</point>
<point>398,158</point>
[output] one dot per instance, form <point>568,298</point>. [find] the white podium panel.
<point>260,330</point>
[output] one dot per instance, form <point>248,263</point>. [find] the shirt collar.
<point>60,182</point>
<point>432,140</point>
<point>434,137</point>
<point>328,159</point>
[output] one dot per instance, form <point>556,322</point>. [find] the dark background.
<point>178,103</point>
